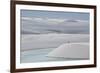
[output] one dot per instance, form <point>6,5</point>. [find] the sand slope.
<point>71,50</point>
<point>43,41</point>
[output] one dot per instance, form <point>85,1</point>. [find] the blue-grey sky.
<point>55,14</point>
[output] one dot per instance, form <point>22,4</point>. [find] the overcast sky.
<point>55,14</point>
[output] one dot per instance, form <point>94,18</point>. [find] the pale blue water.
<point>37,55</point>
<point>40,55</point>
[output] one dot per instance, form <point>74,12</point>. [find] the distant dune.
<point>71,50</point>
<point>67,26</point>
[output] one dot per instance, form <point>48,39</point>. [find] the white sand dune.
<point>42,41</point>
<point>43,37</point>
<point>54,25</point>
<point>71,50</point>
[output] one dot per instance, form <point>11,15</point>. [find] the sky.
<point>55,14</point>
